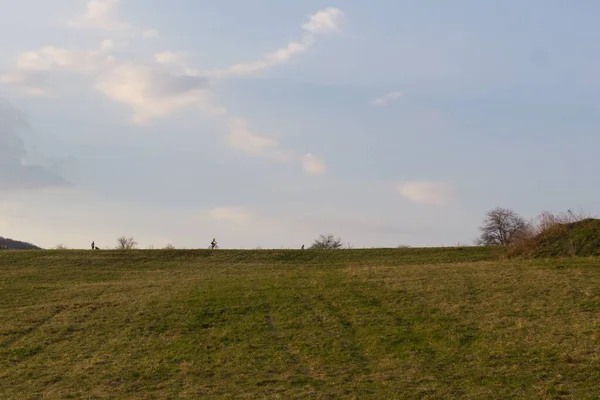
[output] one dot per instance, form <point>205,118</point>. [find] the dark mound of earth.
<point>581,238</point>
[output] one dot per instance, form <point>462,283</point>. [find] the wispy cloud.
<point>235,215</point>
<point>427,192</point>
<point>241,138</point>
<point>149,89</point>
<point>387,99</point>
<point>323,22</point>
<point>150,33</point>
<point>153,92</point>
<point>31,83</point>
<point>313,165</point>
<point>99,14</point>
<point>167,85</point>
<point>171,57</point>
<point>104,15</point>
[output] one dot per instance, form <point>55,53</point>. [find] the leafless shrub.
<point>169,247</point>
<point>126,243</point>
<point>60,247</point>
<point>327,241</point>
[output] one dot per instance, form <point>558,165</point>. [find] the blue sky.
<point>266,123</point>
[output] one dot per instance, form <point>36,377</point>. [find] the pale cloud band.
<point>386,99</point>
<point>313,165</point>
<point>243,139</point>
<point>99,14</point>
<point>103,15</point>
<point>233,215</point>
<point>427,192</point>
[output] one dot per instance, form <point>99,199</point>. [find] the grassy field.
<point>381,324</point>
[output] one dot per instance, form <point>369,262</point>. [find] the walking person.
<point>93,245</point>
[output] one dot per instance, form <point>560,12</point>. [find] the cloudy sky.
<point>265,123</point>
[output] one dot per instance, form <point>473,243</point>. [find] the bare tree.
<point>327,241</point>
<point>126,243</point>
<point>502,227</point>
<point>169,247</point>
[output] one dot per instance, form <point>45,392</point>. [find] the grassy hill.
<point>580,238</point>
<point>389,323</point>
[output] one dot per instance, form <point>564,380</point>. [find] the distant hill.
<point>16,245</point>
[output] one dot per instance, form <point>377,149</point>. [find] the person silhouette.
<point>93,245</point>
<point>213,244</point>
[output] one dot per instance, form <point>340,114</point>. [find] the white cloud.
<point>107,45</point>
<point>324,21</point>
<point>426,192</point>
<point>170,57</point>
<point>242,139</point>
<point>313,165</point>
<point>99,14</point>
<point>235,215</point>
<point>153,90</point>
<point>278,57</point>
<point>270,60</point>
<point>387,99</point>
<point>149,90</point>
<point>31,83</point>
<point>52,57</point>
<point>150,33</point>
<point>154,93</point>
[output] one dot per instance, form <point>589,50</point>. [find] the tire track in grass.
<point>299,369</point>
<point>348,341</point>
<point>25,353</point>
<point>33,328</point>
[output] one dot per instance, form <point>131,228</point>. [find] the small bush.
<point>327,241</point>
<point>126,243</point>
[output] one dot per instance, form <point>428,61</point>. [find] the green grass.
<point>381,323</point>
<point>581,238</point>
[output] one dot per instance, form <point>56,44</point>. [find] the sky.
<point>266,123</point>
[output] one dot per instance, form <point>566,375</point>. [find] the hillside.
<point>580,238</point>
<point>16,245</point>
<point>368,324</point>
